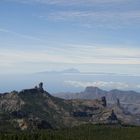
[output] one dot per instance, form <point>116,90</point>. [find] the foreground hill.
<point>35,108</point>
<point>84,132</point>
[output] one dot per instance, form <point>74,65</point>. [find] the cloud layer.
<point>72,2</point>
<point>93,17</point>
<point>112,13</point>
<point>103,84</point>
<point>76,54</point>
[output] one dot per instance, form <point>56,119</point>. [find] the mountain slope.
<point>36,109</point>
<point>130,100</point>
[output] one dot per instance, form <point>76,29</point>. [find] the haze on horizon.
<point>88,35</point>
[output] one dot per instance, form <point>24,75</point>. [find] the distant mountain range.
<point>35,108</point>
<point>72,70</point>
<point>76,71</point>
<point>130,100</point>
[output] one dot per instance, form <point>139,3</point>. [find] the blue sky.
<point>90,35</point>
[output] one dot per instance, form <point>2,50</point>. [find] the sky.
<point>90,35</point>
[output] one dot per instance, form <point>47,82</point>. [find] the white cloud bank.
<point>103,84</point>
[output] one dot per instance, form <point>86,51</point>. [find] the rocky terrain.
<point>130,100</point>
<point>35,108</point>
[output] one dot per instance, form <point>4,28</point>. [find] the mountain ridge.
<point>71,70</point>
<point>35,108</point>
<point>129,99</point>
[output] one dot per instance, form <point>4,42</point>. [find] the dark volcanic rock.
<point>44,125</point>
<point>41,87</point>
<point>19,114</point>
<point>113,117</point>
<point>82,114</point>
<point>104,103</point>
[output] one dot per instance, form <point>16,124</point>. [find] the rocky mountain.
<point>65,71</point>
<point>35,108</point>
<point>130,100</point>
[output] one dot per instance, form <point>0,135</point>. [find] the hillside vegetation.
<point>84,132</point>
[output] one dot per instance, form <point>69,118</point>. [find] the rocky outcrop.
<point>130,100</point>
<point>36,89</point>
<point>95,90</point>
<point>113,118</point>
<point>118,103</point>
<point>40,88</point>
<point>104,102</point>
<point>11,102</point>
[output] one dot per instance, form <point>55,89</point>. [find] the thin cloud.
<point>72,2</point>
<point>109,17</point>
<point>12,60</point>
<point>20,35</point>
<point>93,17</point>
<point>94,54</point>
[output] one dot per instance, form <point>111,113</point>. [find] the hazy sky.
<point>38,35</point>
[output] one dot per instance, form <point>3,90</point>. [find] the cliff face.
<point>37,109</point>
